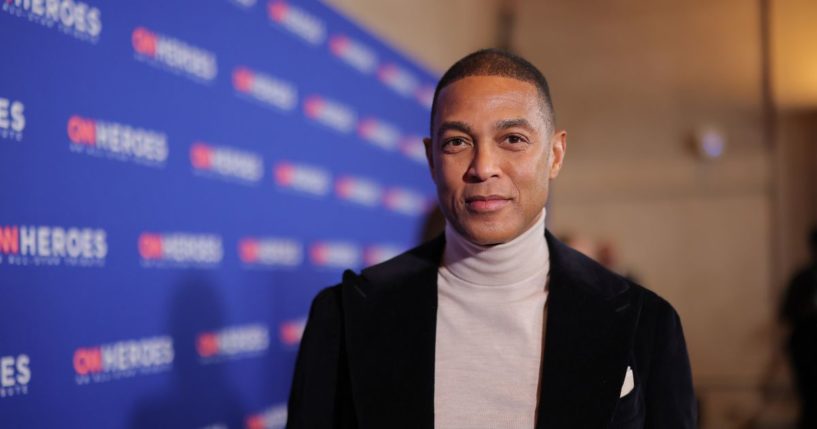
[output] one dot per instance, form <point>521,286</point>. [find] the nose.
<point>484,165</point>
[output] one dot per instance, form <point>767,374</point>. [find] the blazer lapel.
<point>390,314</point>
<point>590,326</point>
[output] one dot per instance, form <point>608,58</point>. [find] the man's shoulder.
<point>653,305</point>
<point>596,279</point>
<point>654,302</point>
<point>402,271</point>
<point>422,259</point>
<point>424,256</point>
<point>381,278</point>
<point>658,319</point>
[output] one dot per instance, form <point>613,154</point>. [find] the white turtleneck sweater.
<point>490,331</point>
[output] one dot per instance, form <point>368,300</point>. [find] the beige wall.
<point>794,44</point>
<point>794,74</point>
<point>632,81</point>
<point>796,201</point>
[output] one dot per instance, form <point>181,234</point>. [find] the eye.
<point>514,139</point>
<point>515,142</point>
<point>454,144</point>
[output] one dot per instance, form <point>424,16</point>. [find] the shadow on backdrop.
<point>200,395</point>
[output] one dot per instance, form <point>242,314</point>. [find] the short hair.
<point>497,62</point>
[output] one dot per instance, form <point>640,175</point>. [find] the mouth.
<point>486,203</point>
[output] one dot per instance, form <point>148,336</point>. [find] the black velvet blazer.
<point>367,355</point>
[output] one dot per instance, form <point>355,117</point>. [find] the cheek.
<point>448,175</point>
<point>532,179</point>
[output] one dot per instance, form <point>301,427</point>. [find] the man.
<point>494,324</point>
<point>800,313</point>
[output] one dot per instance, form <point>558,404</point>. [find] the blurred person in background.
<point>608,256</point>
<point>494,323</point>
<point>582,245</point>
<point>800,313</point>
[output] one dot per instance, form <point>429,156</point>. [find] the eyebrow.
<point>454,125</point>
<point>500,125</point>
<point>511,123</point>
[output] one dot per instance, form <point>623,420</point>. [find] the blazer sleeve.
<point>313,396</point>
<point>670,398</point>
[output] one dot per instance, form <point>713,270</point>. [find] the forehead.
<point>483,97</point>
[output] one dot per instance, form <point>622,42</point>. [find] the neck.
<point>499,265</point>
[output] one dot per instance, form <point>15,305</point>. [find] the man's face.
<point>492,157</point>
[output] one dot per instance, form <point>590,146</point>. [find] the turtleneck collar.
<point>500,265</point>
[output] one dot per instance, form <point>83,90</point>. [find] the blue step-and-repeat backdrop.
<point>177,181</point>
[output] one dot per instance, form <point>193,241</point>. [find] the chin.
<point>487,235</point>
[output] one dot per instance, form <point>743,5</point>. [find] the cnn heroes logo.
<point>53,245</point>
<point>232,343</point>
<point>180,249</point>
<point>398,79</point>
<point>226,163</point>
<point>353,53</point>
<point>12,119</point>
<point>358,190</point>
<point>378,253</point>
<point>265,89</point>
<point>302,178</point>
<point>406,202</point>
<point>74,18</point>
<point>319,182</point>
<point>291,331</point>
<point>413,148</point>
<point>175,55</point>
<point>379,133</point>
<point>117,141</point>
<point>15,375</point>
<point>274,417</point>
<point>330,113</point>
<point>335,254</point>
<point>270,252</point>
<point>405,83</point>
<point>297,21</point>
<point>123,359</point>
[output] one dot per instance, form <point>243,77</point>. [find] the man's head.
<point>493,147</point>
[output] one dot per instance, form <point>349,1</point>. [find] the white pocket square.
<point>629,383</point>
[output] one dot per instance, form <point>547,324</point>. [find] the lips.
<point>487,203</point>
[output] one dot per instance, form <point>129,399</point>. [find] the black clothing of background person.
<point>800,312</point>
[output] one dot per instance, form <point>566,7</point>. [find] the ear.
<point>558,148</point>
<point>429,144</point>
